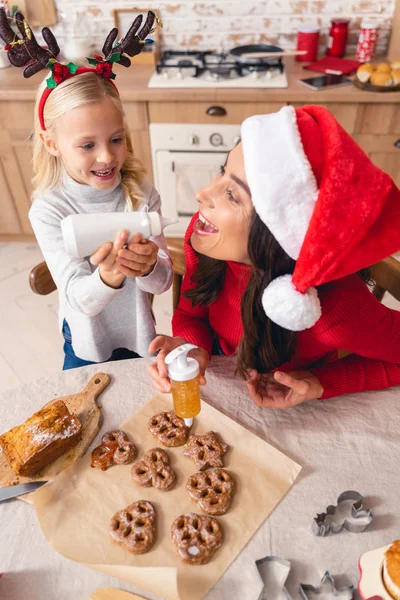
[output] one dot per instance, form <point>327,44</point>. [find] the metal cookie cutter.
<point>339,517</point>
<point>274,572</point>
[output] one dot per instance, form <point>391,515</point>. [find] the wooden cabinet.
<point>15,168</point>
<point>16,126</point>
<point>378,134</point>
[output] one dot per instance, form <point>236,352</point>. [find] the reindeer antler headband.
<point>25,52</point>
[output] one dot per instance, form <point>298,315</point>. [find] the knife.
<point>13,491</point>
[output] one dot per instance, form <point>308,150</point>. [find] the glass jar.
<point>338,38</point>
<point>307,40</point>
<point>367,41</point>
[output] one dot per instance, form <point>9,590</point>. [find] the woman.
<point>274,264</point>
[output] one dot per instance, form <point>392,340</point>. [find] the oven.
<point>185,158</point>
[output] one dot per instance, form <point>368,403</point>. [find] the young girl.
<point>274,264</point>
<point>84,162</point>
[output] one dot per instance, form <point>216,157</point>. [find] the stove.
<point>193,69</point>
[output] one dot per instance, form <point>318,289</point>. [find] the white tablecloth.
<point>345,443</point>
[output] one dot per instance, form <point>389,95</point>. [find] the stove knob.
<point>216,139</point>
<point>194,140</point>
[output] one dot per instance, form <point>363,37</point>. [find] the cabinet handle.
<point>216,111</point>
<point>397,143</point>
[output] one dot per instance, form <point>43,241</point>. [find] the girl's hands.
<point>116,262</point>
<point>105,257</point>
<point>283,390</point>
<point>139,258</point>
<point>158,371</point>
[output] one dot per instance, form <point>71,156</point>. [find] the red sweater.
<point>352,319</point>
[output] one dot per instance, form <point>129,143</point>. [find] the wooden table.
<point>345,443</point>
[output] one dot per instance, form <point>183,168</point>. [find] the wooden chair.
<point>42,283</point>
<point>175,248</point>
<point>386,275</point>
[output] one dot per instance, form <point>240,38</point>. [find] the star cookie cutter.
<point>337,517</point>
<point>274,571</point>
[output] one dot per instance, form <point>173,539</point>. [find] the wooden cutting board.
<point>83,405</point>
<point>113,594</point>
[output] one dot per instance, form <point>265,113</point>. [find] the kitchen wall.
<point>227,23</point>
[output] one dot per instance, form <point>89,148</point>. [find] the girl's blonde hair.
<point>48,169</point>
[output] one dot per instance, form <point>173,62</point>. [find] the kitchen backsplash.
<point>223,24</point>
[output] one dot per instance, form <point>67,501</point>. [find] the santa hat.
<point>323,200</point>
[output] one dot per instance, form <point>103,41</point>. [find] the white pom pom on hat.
<point>287,307</point>
<point>310,182</point>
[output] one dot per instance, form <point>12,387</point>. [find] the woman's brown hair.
<point>264,344</point>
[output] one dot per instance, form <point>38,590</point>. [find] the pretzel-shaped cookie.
<point>168,429</point>
<point>154,470</point>
<point>115,448</point>
<point>134,527</point>
<point>211,490</point>
<point>196,537</point>
<point>205,450</point>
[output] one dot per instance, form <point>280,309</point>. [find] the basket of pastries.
<point>383,77</point>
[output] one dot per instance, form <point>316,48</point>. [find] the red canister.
<point>338,38</point>
<point>307,40</point>
<point>367,41</point>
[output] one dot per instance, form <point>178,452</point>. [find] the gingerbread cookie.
<point>205,450</point>
<point>169,429</point>
<point>115,448</point>
<point>154,470</point>
<point>211,490</point>
<point>134,527</point>
<point>103,456</point>
<point>196,537</point>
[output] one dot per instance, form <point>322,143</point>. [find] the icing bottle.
<point>84,233</point>
<point>183,372</point>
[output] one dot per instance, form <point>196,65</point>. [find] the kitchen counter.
<point>132,84</point>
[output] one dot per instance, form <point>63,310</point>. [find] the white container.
<point>84,233</point>
<point>76,49</point>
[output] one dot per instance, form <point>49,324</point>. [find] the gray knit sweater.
<point>101,318</point>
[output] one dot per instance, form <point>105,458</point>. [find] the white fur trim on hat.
<point>283,187</point>
<point>287,307</point>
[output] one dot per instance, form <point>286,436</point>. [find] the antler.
<point>132,44</point>
<point>25,49</point>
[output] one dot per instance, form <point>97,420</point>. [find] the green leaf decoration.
<point>93,61</point>
<point>50,82</point>
<point>72,67</point>
<point>115,57</point>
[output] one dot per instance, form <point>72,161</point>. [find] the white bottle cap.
<point>180,366</point>
<point>158,223</point>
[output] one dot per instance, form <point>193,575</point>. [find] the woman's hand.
<point>139,258</point>
<point>283,390</point>
<point>105,257</point>
<point>158,371</point>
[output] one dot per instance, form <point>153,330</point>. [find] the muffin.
<point>383,68</point>
<point>396,76</point>
<point>381,78</point>
<point>364,72</point>
<point>391,570</point>
<point>395,65</point>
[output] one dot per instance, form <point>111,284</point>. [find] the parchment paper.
<point>74,510</point>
